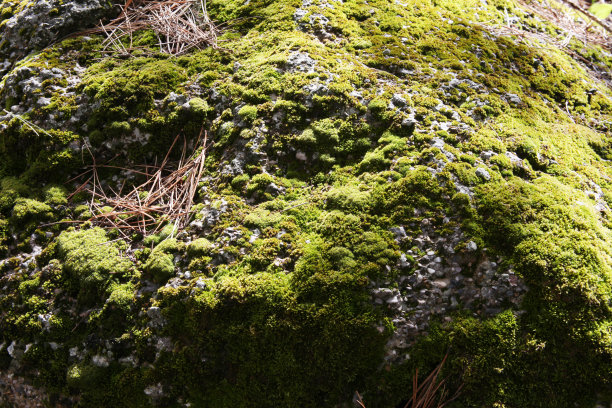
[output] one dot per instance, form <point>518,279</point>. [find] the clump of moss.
<point>55,196</point>
<point>262,218</point>
<point>248,113</point>
<point>240,181</point>
<point>85,377</point>
<point>560,249</point>
<point>90,263</point>
<point>330,331</point>
<point>27,210</point>
<point>160,264</point>
<point>11,189</point>
<point>349,198</point>
<point>199,106</point>
<point>259,184</point>
<point>199,247</point>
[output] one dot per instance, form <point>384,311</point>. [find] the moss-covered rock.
<point>385,183</point>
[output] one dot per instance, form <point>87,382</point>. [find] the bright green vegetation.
<point>270,305</point>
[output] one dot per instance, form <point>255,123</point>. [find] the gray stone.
<point>100,361</point>
<point>36,26</point>
<point>200,284</point>
<point>301,62</point>
<point>441,283</point>
<point>275,190</point>
<point>154,391</point>
<point>399,232</point>
<point>398,101</point>
<point>487,155</point>
<point>409,124</point>
<point>514,159</point>
<point>483,173</point>
<point>514,99</point>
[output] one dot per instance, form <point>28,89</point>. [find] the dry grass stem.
<point>431,393</point>
<point>165,197</point>
<point>180,26</point>
<point>588,29</point>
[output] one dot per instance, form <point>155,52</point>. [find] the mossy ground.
<point>269,305</point>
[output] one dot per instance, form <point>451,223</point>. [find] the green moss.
<point>349,198</point>
<point>160,264</point>
<point>259,183</point>
<point>239,182</point>
<point>199,106</point>
<point>561,251</point>
<point>281,317</point>
<point>248,113</point>
<point>377,106</point>
<point>90,262</point>
<point>275,320</point>
<point>55,195</point>
<point>129,87</point>
<point>262,218</point>
<point>26,210</point>
<point>465,173</point>
<point>199,247</point>
<point>85,377</point>
<point>502,161</point>
<point>121,298</point>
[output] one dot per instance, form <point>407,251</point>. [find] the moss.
<point>282,315</point>
<point>8,194</point>
<point>239,182</point>
<point>85,377</point>
<point>129,87</point>
<point>4,236</point>
<point>465,173</point>
<point>502,161</point>
<point>263,253</point>
<point>349,198</point>
<point>55,195</point>
<point>248,113</point>
<point>544,238</point>
<point>160,264</point>
<point>268,303</point>
<point>377,106</point>
<point>199,247</point>
<point>199,106</point>
<point>167,231</point>
<point>262,218</point>
<point>259,183</point>
<point>121,298</point>
<point>27,210</point>
<point>90,262</point>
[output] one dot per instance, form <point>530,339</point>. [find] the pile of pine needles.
<point>164,197</point>
<point>431,393</point>
<point>180,26</point>
<point>588,28</point>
